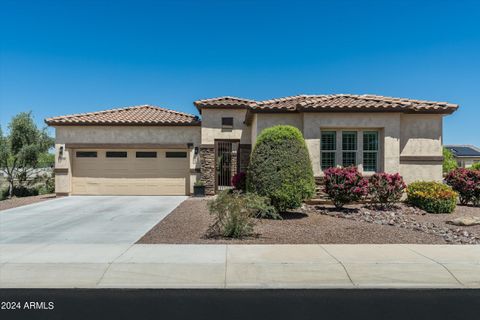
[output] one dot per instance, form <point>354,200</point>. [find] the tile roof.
<point>334,102</point>
<point>351,102</point>
<point>464,150</point>
<point>225,101</point>
<point>136,115</point>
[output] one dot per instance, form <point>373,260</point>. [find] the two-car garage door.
<point>130,172</point>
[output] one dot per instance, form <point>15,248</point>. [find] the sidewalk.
<point>239,266</point>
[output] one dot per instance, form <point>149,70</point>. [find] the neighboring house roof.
<point>136,115</point>
<point>330,103</point>
<point>464,150</point>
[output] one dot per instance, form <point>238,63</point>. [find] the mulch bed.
<point>189,223</point>
<point>18,202</point>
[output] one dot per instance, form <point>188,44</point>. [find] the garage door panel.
<point>130,176</point>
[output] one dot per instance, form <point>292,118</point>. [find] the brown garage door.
<point>129,172</point>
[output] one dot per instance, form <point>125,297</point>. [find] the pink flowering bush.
<point>345,185</point>
<point>466,183</point>
<point>386,189</point>
<point>239,181</point>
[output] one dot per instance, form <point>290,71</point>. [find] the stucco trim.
<point>405,159</point>
<point>125,145</point>
<point>205,146</point>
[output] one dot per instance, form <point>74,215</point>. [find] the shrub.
<point>239,181</point>
<point>199,183</point>
<point>467,183</point>
<point>449,162</point>
<point>47,184</point>
<point>386,189</point>
<point>280,168</point>
<point>433,197</point>
<point>475,166</point>
<point>345,185</point>
<point>21,191</point>
<point>234,212</point>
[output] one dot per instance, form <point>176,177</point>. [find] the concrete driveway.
<point>85,219</point>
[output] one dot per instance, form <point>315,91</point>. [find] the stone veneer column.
<point>207,168</point>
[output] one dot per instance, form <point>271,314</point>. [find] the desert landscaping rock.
<point>465,221</point>
<point>189,222</point>
<point>404,216</point>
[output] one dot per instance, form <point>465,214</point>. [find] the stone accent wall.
<point>244,156</point>
<point>207,167</point>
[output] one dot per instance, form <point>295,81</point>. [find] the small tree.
<point>21,149</point>
<point>449,162</point>
<point>280,168</point>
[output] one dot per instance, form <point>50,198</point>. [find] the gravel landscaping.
<point>189,222</point>
<point>18,202</point>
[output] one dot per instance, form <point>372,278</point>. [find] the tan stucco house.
<point>147,150</point>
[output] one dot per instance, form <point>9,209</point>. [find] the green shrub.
<point>280,168</point>
<point>21,191</point>
<point>47,184</point>
<point>449,162</point>
<point>234,213</point>
<point>475,166</point>
<point>433,197</point>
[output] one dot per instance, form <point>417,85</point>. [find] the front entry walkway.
<point>239,266</point>
<point>85,219</point>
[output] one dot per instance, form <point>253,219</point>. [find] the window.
<point>175,154</point>
<point>146,154</point>
<point>349,148</point>
<point>370,150</point>
<point>328,147</point>
<point>227,123</point>
<point>116,154</point>
<point>86,154</point>
<point>346,148</point>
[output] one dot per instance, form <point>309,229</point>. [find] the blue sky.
<point>61,57</point>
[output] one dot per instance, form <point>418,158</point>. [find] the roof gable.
<point>136,115</point>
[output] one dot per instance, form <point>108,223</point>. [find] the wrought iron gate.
<point>226,163</point>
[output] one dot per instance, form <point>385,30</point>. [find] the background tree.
<point>280,168</point>
<point>21,149</point>
<point>449,162</point>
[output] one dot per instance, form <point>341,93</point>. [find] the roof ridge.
<point>223,98</point>
<point>113,110</point>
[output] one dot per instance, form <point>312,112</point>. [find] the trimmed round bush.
<point>386,189</point>
<point>467,183</point>
<point>475,166</point>
<point>433,197</point>
<point>345,185</point>
<point>280,168</point>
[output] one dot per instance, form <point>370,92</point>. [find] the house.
<point>147,150</point>
<point>466,155</point>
